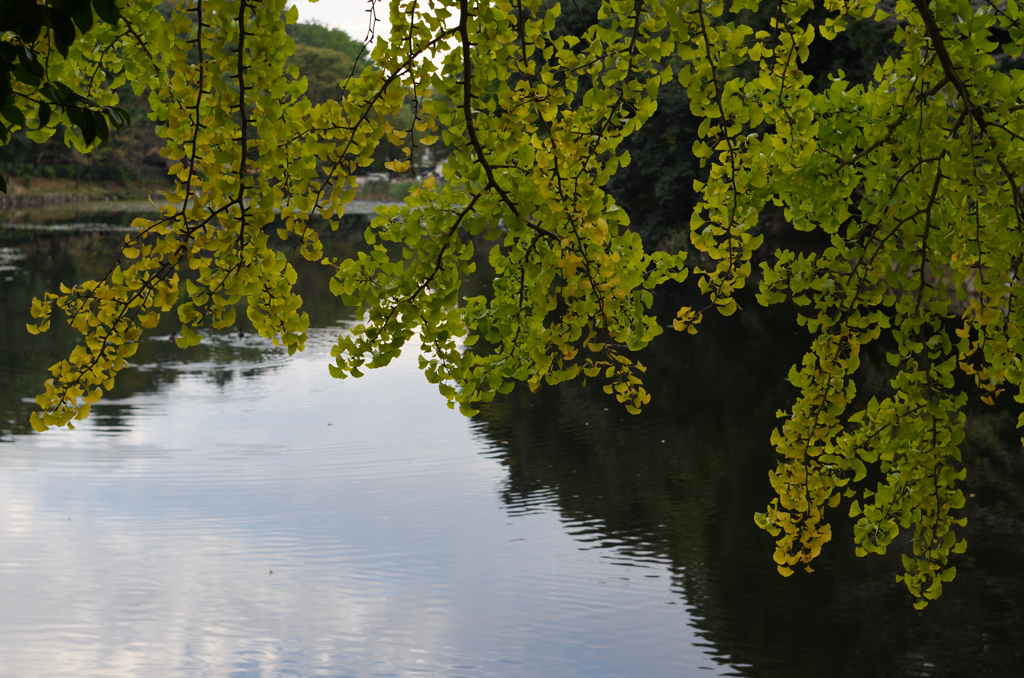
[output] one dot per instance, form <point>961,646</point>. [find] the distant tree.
<point>35,72</point>
<point>315,34</point>
<point>325,57</point>
<point>324,69</point>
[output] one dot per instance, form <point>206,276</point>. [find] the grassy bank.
<point>57,190</point>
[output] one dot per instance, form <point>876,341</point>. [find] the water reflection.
<point>151,553</point>
<point>679,484</point>
<point>233,511</point>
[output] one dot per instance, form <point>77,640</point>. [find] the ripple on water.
<point>286,522</point>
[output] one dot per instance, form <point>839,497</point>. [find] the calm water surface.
<point>230,511</point>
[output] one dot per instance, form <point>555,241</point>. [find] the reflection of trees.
<point>52,258</point>
<point>113,418</point>
<point>24,359</point>
<point>691,499</point>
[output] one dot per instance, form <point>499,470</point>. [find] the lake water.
<point>231,511</point>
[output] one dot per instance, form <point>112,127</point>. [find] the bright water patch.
<point>9,259</point>
<point>285,523</point>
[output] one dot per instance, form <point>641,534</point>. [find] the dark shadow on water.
<point>36,262</point>
<point>682,480</point>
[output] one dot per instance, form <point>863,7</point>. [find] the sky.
<point>350,16</point>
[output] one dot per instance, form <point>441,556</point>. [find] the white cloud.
<point>351,16</point>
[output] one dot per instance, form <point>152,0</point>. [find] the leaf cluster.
<point>35,44</point>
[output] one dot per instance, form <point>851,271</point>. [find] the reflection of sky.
<point>149,553</point>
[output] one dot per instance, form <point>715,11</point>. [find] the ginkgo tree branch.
<point>939,45</point>
<point>467,113</point>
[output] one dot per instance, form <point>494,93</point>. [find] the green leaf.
<point>30,62</point>
<point>63,32</point>
<point>100,125</point>
<point>189,337</point>
<point>44,114</point>
<point>83,17</point>
<point>107,11</point>
<point>118,117</point>
<point>13,115</point>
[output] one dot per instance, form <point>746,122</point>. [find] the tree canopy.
<point>325,57</point>
<point>911,179</point>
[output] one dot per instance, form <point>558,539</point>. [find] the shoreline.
<point>74,216</point>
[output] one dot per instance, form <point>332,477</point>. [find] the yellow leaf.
<point>37,422</point>
<point>398,166</point>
